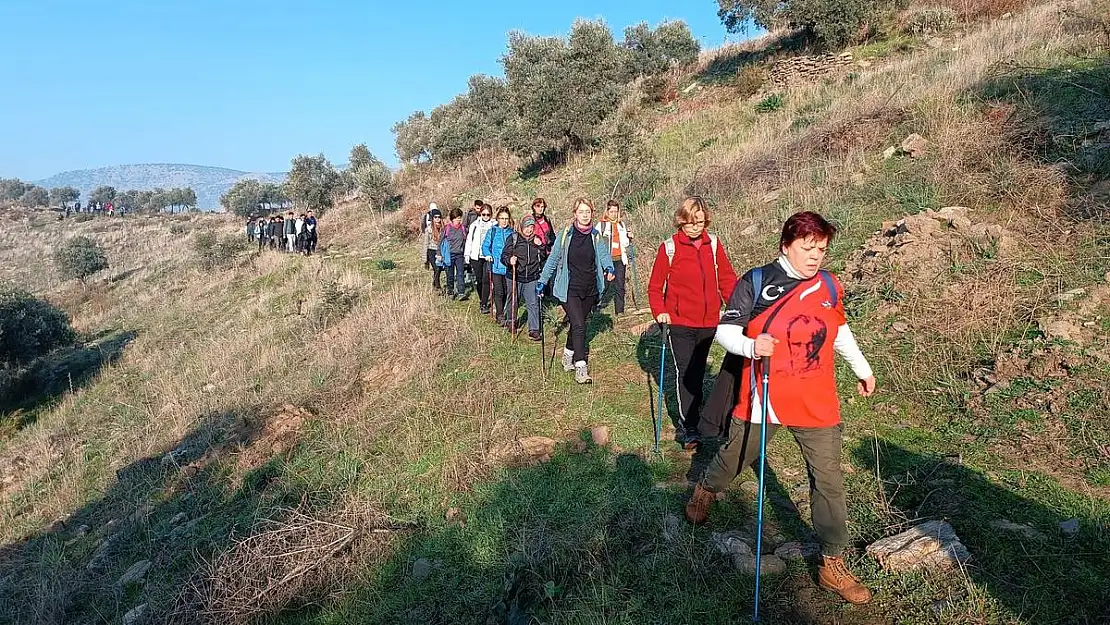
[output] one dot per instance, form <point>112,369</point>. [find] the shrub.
<point>771,103</point>
<point>216,251</point>
<point>386,264</point>
<point>29,327</point>
<point>335,302</point>
<point>80,257</point>
<point>930,20</point>
<point>749,80</point>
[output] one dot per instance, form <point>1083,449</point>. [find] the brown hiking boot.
<point>697,509</point>
<point>834,575</point>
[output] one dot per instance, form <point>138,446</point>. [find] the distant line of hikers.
<point>292,233</point>
<point>783,320</point>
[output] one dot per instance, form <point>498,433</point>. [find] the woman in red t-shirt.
<point>789,315</point>
<point>690,280</point>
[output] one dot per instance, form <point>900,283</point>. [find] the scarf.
<point>614,238</point>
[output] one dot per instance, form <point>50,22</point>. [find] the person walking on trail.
<point>258,231</point>
<point>478,264</point>
<point>544,229</point>
<point>427,220</point>
<point>431,242</point>
<point>690,279</point>
<point>455,237</point>
<point>299,229</point>
<point>290,231</point>
<point>524,250</point>
<point>474,213</point>
<point>433,236</point>
<point>616,233</point>
<point>581,263</point>
<point>789,316</point>
<point>492,247</point>
<point>273,231</point>
<point>310,234</point>
<point>251,229</point>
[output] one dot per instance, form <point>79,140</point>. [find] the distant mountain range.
<point>209,183</point>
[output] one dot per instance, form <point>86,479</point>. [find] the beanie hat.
<point>435,212</point>
<point>528,221</point>
<point>433,207</point>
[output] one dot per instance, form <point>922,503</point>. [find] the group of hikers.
<point>95,208</point>
<point>779,324</point>
<point>529,261</point>
<point>291,233</point>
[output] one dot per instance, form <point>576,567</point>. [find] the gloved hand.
<point>539,288</point>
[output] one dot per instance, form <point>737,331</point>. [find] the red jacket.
<point>694,291</point>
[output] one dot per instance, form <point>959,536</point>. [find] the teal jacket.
<point>557,263</point>
<point>494,244</point>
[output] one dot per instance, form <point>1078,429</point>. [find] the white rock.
<point>135,615</point>
<point>932,544</point>
<point>135,574</point>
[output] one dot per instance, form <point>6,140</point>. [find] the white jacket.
<point>474,237</point>
<point>622,231</point>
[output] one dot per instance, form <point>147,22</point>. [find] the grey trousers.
<point>821,452</point>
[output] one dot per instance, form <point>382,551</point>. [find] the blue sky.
<point>249,84</point>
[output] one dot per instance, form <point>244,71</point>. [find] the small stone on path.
<point>423,567</point>
<point>797,551</point>
<point>135,574</point>
<point>135,615</point>
<point>1020,528</point>
<point>672,527</point>
<point>600,435</point>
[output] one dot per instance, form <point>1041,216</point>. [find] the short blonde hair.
<point>688,212</point>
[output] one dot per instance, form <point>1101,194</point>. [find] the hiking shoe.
<point>833,574</point>
<point>462,297</point>
<point>568,360</point>
<point>483,310</point>
<point>689,439</point>
<point>581,373</point>
<point>697,509</point>
<point>534,335</point>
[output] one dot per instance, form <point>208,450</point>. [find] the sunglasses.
<point>700,224</point>
<point>485,214</point>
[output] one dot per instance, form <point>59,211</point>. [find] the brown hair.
<point>689,211</point>
<point>507,212</point>
<point>580,201</point>
<point>805,225</point>
<point>612,203</point>
<point>536,202</point>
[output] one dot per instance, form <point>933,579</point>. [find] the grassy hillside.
<point>324,440</point>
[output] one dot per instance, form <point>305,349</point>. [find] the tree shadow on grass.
<point>51,376</point>
<point>586,537</point>
<point>175,508</point>
<point>1037,573</point>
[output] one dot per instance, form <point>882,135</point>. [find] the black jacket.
<point>530,257</point>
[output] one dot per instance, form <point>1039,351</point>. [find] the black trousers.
<point>500,292</point>
<point>480,268</point>
<point>578,309</point>
<point>617,286</point>
<point>690,349</point>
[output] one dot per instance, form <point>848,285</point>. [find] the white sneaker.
<point>581,373</point>
<point>568,360</point>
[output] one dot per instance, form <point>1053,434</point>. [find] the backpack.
<point>668,247</point>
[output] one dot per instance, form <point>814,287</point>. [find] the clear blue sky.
<point>248,84</point>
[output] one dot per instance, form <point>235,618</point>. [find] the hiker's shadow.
<point>653,362</point>
<point>1046,564</point>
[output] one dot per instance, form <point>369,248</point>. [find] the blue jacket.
<point>494,244</point>
<point>557,263</point>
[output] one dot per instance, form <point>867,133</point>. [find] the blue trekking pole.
<point>657,422</point>
<point>764,420</point>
